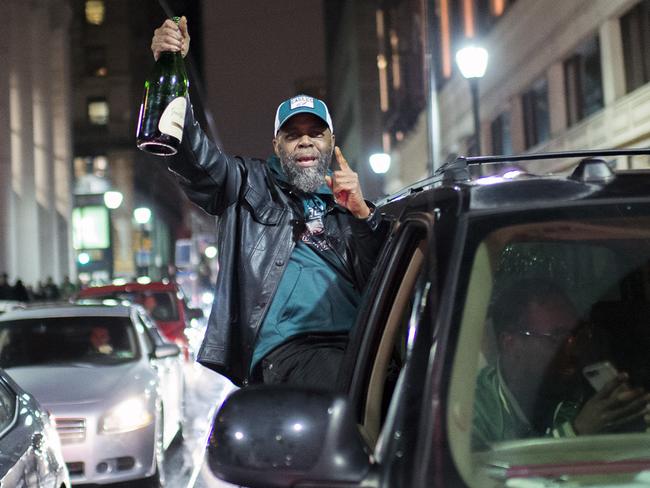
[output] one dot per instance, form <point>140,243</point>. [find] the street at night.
<point>325,243</point>
<point>184,462</point>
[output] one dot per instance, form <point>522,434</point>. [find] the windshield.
<point>97,340</point>
<point>555,333</point>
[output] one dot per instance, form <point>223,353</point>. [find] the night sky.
<point>255,53</point>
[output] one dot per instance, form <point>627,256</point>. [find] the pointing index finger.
<point>343,163</point>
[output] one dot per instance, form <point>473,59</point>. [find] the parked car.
<point>164,301</point>
<point>112,383</point>
<point>7,305</point>
<point>30,449</point>
<point>409,399</point>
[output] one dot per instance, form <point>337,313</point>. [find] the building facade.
<point>561,75</point>
<point>35,140</point>
<point>111,45</point>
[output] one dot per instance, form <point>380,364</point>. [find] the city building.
<point>35,141</point>
<point>560,76</point>
<point>128,210</point>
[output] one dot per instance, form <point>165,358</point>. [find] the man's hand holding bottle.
<point>171,37</point>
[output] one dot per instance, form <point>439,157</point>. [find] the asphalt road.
<point>204,392</point>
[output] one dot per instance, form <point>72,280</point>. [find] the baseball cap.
<point>301,104</point>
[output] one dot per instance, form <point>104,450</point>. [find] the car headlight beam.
<point>131,414</point>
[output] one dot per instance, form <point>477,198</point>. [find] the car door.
<point>387,355</point>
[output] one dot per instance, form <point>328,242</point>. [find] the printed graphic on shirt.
<point>314,233</point>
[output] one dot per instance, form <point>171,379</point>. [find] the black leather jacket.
<point>258,219</point>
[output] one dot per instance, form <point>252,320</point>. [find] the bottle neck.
<point>167,56</point>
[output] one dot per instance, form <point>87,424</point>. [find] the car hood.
<point>80,383</point>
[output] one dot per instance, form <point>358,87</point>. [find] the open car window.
<point>553,310</point>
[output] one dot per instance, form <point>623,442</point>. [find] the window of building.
<point>536,116</point>
<point>636,45</point>
<point>98,111</point>
<point>583,81</point>
<point>96,61</point>
<point>500,132</point>
<point>95,12</point>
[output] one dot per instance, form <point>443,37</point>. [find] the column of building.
<point>35,148</point>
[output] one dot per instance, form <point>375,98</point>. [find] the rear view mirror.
<point>272,437</point>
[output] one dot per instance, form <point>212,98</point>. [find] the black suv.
<point>504,341</point>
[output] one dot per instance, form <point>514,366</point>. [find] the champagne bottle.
<point>162,112</point>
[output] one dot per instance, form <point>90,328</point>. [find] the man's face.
<point>304,145</point>
<point>99,336</point>
<point>542,348</point>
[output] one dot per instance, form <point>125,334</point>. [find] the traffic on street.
<point>325,244</point>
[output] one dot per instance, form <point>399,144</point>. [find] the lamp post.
<point>472,61</point>
<point>142,215</point>
<point>112,200</point>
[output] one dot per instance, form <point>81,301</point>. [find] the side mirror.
<point>277,436</point>
<point>166,350</point>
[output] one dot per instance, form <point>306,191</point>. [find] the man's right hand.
<point>612,407</point>
<point>171,37</point>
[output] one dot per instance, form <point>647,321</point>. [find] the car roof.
<point>67,310</point>
<point>591,179</point>
<point>129,287</point>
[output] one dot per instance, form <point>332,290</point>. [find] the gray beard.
<point>307,180</point>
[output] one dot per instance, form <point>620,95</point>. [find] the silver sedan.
<point>113,385</point>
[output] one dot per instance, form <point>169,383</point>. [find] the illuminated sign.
<point>90,227</point>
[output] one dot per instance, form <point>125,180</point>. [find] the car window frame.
<point>413,233</point>
<point>478,226</point>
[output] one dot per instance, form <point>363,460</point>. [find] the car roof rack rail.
<point>591,168</point>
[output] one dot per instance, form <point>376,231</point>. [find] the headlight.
<point>131,414</point>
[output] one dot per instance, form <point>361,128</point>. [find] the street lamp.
<point>142,215</point>
<point>113,199</point>
<point>472,61</point>
<point>379,162</point>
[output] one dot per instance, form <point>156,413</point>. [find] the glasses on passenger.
<point>559,335</point>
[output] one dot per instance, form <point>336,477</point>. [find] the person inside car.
<point>100,340</point>
<point>536,387</point>
<point>297,242</point>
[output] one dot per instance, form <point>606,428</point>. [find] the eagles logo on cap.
<point>302,104</point>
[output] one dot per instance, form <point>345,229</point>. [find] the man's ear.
<point>276,148</point>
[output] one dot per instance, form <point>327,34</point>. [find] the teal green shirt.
<point>498,417</point>
<point>312,296</point>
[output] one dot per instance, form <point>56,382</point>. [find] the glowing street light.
<point>142,215</point>
<point>113,199</point>
<point>379,162</point>
<point>472,62</point>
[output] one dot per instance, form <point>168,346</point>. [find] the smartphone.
<point>599,374</point>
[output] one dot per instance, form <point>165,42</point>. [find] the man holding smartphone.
<point>536,387</point>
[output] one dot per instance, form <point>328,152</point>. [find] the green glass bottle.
<point>162,113</point>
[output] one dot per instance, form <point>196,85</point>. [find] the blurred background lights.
<point>379,162</point>
<point>142,215</point>
<point>210,252</point>
<point>113,199</point>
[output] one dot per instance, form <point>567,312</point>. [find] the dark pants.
<point>310,361</point>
